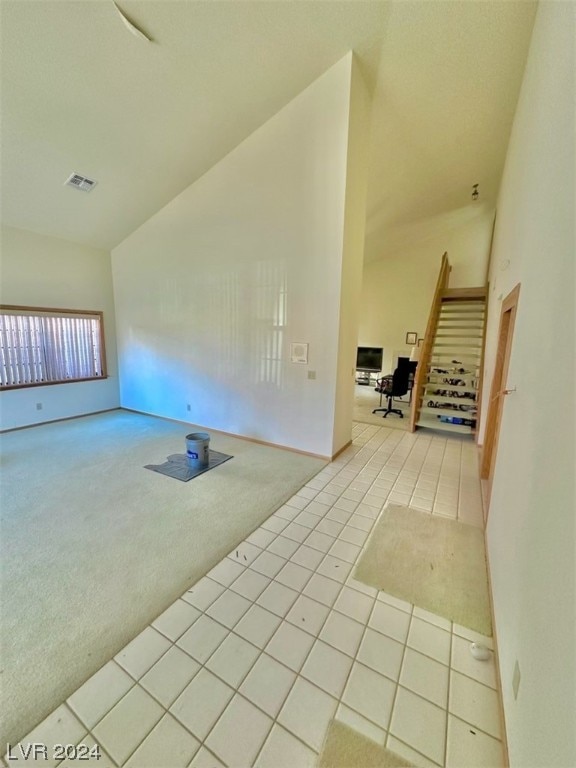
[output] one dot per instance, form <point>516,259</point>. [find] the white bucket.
<point>197,449</point>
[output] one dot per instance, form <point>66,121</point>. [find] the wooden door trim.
<point>500,374</point>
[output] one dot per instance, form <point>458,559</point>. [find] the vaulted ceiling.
<point>81,94</point>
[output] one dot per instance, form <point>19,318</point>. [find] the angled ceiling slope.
<point>80,94</point>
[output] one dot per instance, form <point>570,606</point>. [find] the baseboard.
<point>55,421</point>
<point>347,445</point>
<point>233,434</point>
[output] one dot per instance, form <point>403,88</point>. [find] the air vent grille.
<point>80,182</point>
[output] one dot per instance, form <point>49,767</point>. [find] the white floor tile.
<point>430,640</point>
<point>307,519</point>
<point>463,661</point>
<point>320,541</point>
<point>419,724</point>
<point>250,584</point>
<point>354,604</point>
<point>353,536</point>
<point>370,694</point>
<point>261,538</point>
<point>293,576</point>
<point>176,619</point>
<point>342,633</point>
<point>225,572</point>
<point>334,568</point>
<point>277,598</point>
<point>381,654</point>
<point>239,734</point>
<point>345,551</point>
<point>390,621</point>
<point>317,508</point>
<point>475,703</point>
<point>229,608</point>
<point>426,677</point>
<point>168,744</point>
<point>232,660</point>
<point>307,712</point>
<point>468,747</point>
<point>473,637</point>
<point>361,523</point>
<point>257,625</point>
<point>296,532</point>
<point>282,750</point>
<point>322,589</point>
<point>338,515</point>
<point>203,593</point>
<point>274,524</point>
<point>268,684</point>
<point>290,645</point>
<point>308,615</point>
<point>202,703</point>
<point>244,553</point>
<point>297,501</point>
<point>169,676</point>
<point>100,693</point>
<point>283,547</point>
<point>287,513</point>
<point>205,759</point>
<point>308,557</point>
<point>359,586</point>
<point>139,655</point>
<point>330,527</point>
<point>128,724</point>
<point>327,668</point>
<point>268,564</point>
<point>202,639</point>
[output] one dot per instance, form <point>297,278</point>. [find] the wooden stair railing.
<point>425,352</point>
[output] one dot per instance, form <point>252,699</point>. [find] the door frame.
<point>498,389</point>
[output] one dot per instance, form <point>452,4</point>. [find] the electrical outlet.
<point>38,406</point>
<point>516,680</point>
<point>311,374</point>
<point>188,407</point>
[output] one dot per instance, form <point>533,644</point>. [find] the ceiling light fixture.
<point>131,26</point>
<point>475,193</point>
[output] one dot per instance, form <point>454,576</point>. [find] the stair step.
<point>448,306</point>
<point>473,336</point>
<point>431,396</point>
<point>444,427</point>
<point>456,345</point>
<point>451,412</point>
<point>432,386</point>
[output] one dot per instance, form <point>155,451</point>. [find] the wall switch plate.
<point>38,406</point>
<point>188,407</point>
<point>311,374</point>
<point>516,679</point>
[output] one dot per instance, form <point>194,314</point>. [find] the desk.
<point>365,376</point>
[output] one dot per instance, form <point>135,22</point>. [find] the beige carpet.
<point>345,748</point>
<point>94,546</point>
<point>436,563</point>
<point>366,399</point>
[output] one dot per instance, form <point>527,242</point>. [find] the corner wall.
<point>42,271</point>
<point>212,290</point>
<point>532,516</point>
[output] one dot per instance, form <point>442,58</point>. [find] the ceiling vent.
<point>80,182</point>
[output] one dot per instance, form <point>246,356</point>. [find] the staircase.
<point>450,392</point>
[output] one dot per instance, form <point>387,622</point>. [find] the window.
<point>50,346</point>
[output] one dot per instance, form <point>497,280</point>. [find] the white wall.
<point>211,291</point>
<point>397,292</point>
<point>353,258</point>
<point>531,524</point>
<point>41,271</point>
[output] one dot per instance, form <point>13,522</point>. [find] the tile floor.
<point>250,665</point>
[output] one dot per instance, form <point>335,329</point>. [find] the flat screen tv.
<point>369,358</point>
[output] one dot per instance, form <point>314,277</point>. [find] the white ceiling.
<point>81,94</point>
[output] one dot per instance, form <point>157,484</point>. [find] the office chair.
<point>393,386</point>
